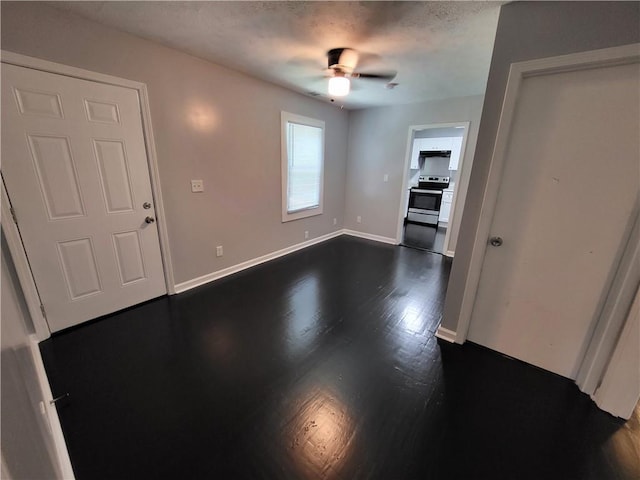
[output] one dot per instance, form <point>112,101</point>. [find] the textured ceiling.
<point>439,49</point>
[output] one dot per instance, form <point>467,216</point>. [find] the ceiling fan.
<point>342,63</point>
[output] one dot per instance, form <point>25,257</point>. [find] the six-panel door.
<point>75,166</point>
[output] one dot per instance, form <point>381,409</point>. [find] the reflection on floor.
<point>319,365</point>
<point>427,237</point>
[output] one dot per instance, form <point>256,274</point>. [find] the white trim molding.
<point>46,66</point>
<point>210,277</point>
<point>50,412</point>
<point>446,334</point>
<point>461,186</point>
<point>287,154</point>
<point>614,312</point>
<point>154,174</point>
<point>619,391</point>
<point>4,469</point>
<point>564,63</point>
<point>371,236</point>
<point>21,264</point>
<point>460,190</point>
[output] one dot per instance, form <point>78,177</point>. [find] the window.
<point>302,166</point>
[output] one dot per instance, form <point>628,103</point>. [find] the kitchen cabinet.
<point>445,206</point>
<point>428,144</point>
<point>456,149</point>
<point>443,143</point>
<point>415,154</point>
<point>454,144</point>
<point>406,203</point>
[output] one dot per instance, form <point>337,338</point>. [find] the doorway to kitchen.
<point>434,187</point>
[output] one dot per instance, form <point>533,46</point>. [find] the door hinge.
<point>13,215</point>
<point>44,314</point>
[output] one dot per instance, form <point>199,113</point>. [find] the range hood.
<point>436,153</point>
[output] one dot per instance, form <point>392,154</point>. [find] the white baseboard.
<point>370,236</point>
<point>449,253</point>
<point>446,334</point>
<point>210,277</point>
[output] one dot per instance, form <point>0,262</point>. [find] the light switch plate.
<point>197,186</point>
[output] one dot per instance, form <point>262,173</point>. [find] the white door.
<point>75,166</point>
<point>568,192</point>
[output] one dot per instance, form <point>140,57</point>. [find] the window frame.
<point>285,119</point>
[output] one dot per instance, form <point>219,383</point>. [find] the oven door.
<point>424,206</point>
<point>428,201</point>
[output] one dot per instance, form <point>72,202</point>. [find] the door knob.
<point>149,219</point>
<point>495,241</point>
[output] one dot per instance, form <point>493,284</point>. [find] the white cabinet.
<point>415,153</point>
<point>406,203</point>
<point>436,143</point>
<point>445,207</point>
<point>456,149</point>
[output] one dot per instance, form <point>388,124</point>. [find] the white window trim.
<point>285,118</point>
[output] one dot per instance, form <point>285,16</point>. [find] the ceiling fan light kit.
<point>341,65</point>
<point>339,86</point>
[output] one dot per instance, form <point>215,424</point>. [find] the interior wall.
<point>25,447</point>
<point>439,132</point>
<point>378,146</point>
<point>209,123</point>
<point>526,31</point>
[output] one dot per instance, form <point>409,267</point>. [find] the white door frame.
<point>565,63</point>
<point>12,234</point>
<point>614,313</point>
<point>618,394</point>
<point>50,412</point>
<point>460,185</point>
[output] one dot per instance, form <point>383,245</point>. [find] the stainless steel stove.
<point>425,200</point>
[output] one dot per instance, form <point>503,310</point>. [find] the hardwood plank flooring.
<point>319,365</point>
<point>426,237</point>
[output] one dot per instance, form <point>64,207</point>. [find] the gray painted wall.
<point>209,123</point>
<point>529,30</point>
<point>378,146</point>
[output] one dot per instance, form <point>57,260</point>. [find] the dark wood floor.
<point>319,365</point>
<point>426,237</point>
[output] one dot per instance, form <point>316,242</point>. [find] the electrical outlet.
<point>335,221</point>
<point>306,234</point>
<point>386,177</point>
<point>359,219</point>
<point>219,251</point>
<point>197,186</point>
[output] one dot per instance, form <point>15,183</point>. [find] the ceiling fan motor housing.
<point>342,59</point>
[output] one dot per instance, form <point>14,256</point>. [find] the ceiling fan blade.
<point>386,76</point>
<point>369,61</point>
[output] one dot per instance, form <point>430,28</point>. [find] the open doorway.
<point>433,187</point>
